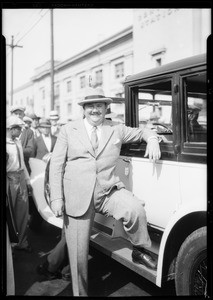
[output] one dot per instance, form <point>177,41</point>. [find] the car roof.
<point>170,67</point>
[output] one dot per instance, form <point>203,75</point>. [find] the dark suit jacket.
<point>40,147</point>
<point>27,141</point>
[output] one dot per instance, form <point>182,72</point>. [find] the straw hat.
<point>54,115</point>
<point>94,95</point>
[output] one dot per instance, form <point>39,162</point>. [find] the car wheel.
<point>191,265</point>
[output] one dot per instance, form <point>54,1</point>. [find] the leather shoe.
<point>43,270</point>
<point>142,256</point>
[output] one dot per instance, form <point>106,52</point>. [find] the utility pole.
<point>12,46</point>
<point>52,59</point>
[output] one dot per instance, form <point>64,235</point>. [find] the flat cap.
<point>13,121</point>
<point>27,119</point>
<point>17,107</point>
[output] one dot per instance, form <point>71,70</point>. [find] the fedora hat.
<point>94,95</point>
<point>33,116</point>
<point>13,121</point>
<point>44,123</point>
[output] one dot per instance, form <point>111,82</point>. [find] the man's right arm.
<point>56,173</point>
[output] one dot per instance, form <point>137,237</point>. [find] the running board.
<point>121,250</point>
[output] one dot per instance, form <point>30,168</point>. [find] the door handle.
<point>177,149</point>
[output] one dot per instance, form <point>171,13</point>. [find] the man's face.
<point>19,113</point>
<point>35,123</point>
<point>45,130</point>
<point>54,122</point>
<point>95,112</point>
<point>15,131</point>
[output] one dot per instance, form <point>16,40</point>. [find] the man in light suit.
<point>82,182</point>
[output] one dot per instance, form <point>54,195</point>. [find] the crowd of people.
<point>83,156</point>
<point>27,135</point>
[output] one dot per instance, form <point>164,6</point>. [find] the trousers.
<point>57,258</point>
<point>20,202</point>
<point>120,204</point>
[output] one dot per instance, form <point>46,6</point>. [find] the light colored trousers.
<point>20,202</point>
<point>120,204</point>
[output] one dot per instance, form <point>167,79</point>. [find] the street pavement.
<point>107,278</point>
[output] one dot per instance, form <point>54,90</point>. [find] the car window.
<point>155,108</point>
<point>196,95</point>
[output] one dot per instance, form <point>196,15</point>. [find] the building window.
<point>119,70</point>
<point>69,86</point>
<point>69,108</point>
<point>99,77</point>
<point>158,62</point>
<point>157,55</point>
<point>57,92</point>
<point>42,93</point>
<point>57,108</point>
<point>82,82</point>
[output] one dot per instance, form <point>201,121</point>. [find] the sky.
<point>74,31</point>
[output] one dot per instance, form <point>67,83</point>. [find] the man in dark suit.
<point>26,137</point>
<point>82,182</point>
<point>45,143</point>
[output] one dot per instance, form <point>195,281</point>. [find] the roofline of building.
<point>88,51</point>
<point>23,86</point>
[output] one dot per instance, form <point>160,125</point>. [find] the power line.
<point>31,27</point>
<point>28,21</point>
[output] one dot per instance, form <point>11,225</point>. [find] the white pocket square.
<point>117,142</point>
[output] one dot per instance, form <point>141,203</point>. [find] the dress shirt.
<point>47,141</point>
<point>89,129</point>
<point>36,132</point>
<point>13,161</point>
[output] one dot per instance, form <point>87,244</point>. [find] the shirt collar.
<point>10,141</point>
<point>89,126</point>
<point>45,137</point>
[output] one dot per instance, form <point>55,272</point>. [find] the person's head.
<point>35,120</point>
<point>14,126</point>
<point>18,111</point>
<point>28,121</point>
<point>95,105</point>
<point>193,113</point>
<point>54,117</point>
<point>44,126</point>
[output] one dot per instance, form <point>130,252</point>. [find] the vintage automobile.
<point>171,100</point>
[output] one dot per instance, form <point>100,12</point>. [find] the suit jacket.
<point>41,148</point>
<point>27,141</point>
<point>76,172</point>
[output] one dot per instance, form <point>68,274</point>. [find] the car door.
<point>154,106</point>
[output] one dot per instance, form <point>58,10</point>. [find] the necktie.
<point>19,155</point>
<point>94,139</point>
